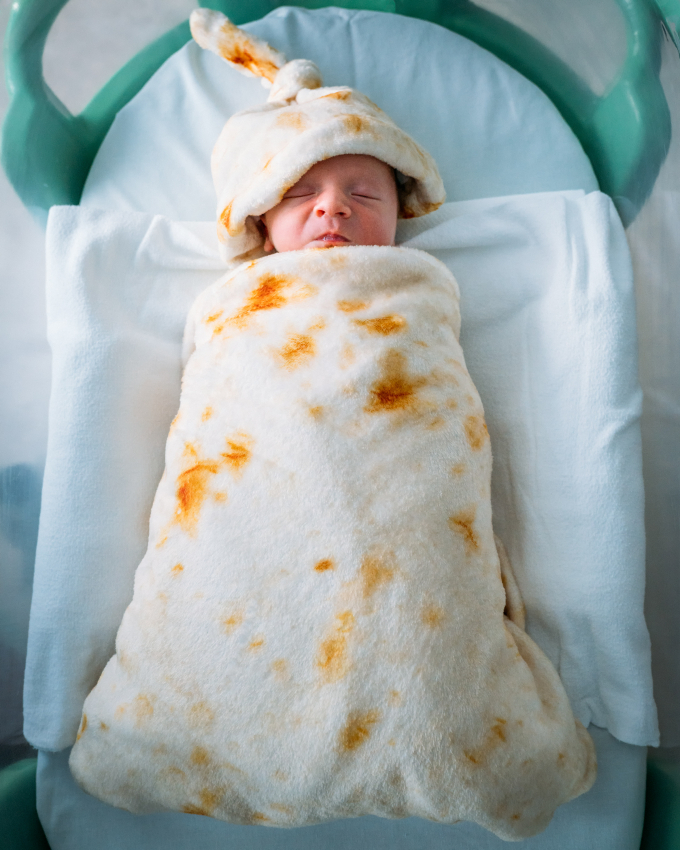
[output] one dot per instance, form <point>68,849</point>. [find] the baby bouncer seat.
<point>626,149</point>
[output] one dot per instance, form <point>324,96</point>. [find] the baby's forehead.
<point>360,165</point>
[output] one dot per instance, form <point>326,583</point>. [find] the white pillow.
<point>491,131</point>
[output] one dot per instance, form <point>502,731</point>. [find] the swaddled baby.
<point>320,627</point>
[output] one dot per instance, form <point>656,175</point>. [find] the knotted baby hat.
<point>263,151</point>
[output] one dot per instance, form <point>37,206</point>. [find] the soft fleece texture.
<point>548,332</point>
<point>317,628</point>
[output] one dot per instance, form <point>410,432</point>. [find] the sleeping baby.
<point>323,625</point>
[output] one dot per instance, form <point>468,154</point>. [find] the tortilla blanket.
<point>317,629</point>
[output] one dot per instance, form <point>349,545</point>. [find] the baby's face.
<point>346,200</point>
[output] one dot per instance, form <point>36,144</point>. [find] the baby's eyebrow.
<point>300,187</point>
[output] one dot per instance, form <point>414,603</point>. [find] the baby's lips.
<point>332,237</point>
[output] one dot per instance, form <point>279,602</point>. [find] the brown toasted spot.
<point>209,799</point>
<point>452,403</point>
<point>103,726</point>
<point>436,423</point>
<point>357,730</point>
<point>318,325</point>
<point>175,771</point>
<point>433,616</point>
<point>280,775</point>
<point>347,355</point>
<point>207,413</point>
<point>192,489</point>
<point>190,809</point>
<point>337,95</point>
<point>258,817</point>
<point>354,123</point>
<point>458,469</point>
<point>286,810</point>
<point>317,411</point>
<point>120,710</point>
<point>323,565</point>
<point>200,756</point>
<point>238,453</point>
<point>236,47</point>
<point>293,120</point>
<point>498,729</point>
<point>391,743</point>
<point>220,496</point>
<point>83,727</point>
<point>494,738</point>
<point>213,317</point>
<point>338,259</point>
<point>142,708</point>
<point>332,656</point>
<point>225,218</point>
<point>476,432</point>
<point>516,816</point>
<point>395,697</point>
<point>376,570</point>
<point>298,348</point>
<point>162,541</point>
<point>560,756</point>
<point>177,569</point>
<point>200,714</point>
<point>351,306</point>
<point>280,667</point>
<point>232,621</point>
<point>463,523</point>
<point>268,295</point>
<point>383,325</point>
<point>256,642</point>
<point>394,389</point>
<point>173,424</point>
<point>424,209</point>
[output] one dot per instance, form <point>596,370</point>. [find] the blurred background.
<point>90,40</point>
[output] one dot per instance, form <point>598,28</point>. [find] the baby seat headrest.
<point>263,151</point>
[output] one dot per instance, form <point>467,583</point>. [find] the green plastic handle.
<point>47,152</point>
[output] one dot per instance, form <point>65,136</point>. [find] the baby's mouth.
<point>332,237</point>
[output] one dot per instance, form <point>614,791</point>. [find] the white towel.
<point>549,336</point>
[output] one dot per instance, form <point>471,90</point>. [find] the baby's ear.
<point>262,227</point>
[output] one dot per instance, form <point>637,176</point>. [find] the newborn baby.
<point>319,627</point>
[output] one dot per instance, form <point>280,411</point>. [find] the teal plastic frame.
<point>47,152</point>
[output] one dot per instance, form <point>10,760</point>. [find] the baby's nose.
<point>332,203</point>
